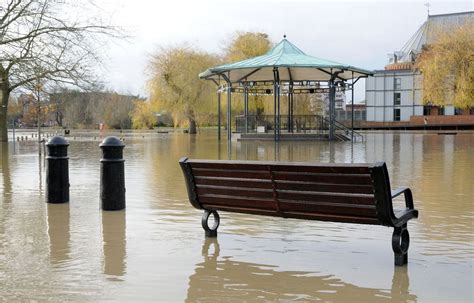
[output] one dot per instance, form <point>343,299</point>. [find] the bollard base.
<point>112,208</point>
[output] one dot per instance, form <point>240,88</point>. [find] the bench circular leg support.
<point>210,232</point>
<point>400,244</point>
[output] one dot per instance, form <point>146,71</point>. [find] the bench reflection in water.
<point>222,279</point>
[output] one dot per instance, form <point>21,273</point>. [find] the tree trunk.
<point>5,94</point>
<point>192,126</point>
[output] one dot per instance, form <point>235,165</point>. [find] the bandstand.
<point>285,70</point>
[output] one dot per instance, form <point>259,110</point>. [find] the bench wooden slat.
<point>301,167</point>
<point>242,174</point>
<point>224,200</point>
<point>322,169</point>
<point>285,185</point>
<point>235,191</point>
<point>351,179</point>
<point>307,197</point>
<point>235,182</point>
<point>324,187</point>
<point>328,208</point>
<point>333,218</point>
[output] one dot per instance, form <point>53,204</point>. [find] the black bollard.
<point>112,176</point>
<point>57,175</point>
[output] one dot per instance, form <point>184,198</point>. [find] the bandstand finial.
<point>284,36</point>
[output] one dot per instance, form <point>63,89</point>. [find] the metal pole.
<point>289,109</point>
<point>276,99</point>
<point>246,108</point>
<point>218,114</point>
<point>274,110</point>
<point>279,121</point>
<point>332,97</point>
<point>229,111</point>
<point>352,108</point>
<point>38,120</point>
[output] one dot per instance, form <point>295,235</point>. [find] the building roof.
<point>292,63</point>
<point>429,31</point>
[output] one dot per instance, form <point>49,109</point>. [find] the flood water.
<point>156,250</point>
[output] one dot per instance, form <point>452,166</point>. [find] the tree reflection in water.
<point>227,280</point>
<point>5,170</point>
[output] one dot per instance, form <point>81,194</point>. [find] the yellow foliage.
<point>175,85</point>
<point>245,45</point>
<point>448,68</point>
<point>142,115</point>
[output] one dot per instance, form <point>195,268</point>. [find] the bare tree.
<point>52,37</point>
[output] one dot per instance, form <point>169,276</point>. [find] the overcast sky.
<point>358,33</point>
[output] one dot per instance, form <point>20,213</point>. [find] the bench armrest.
<point>408,196</point>
<point>410,212</point>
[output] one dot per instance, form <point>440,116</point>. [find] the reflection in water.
<point>58,232</point>
<point>229,149</point>
<point>233,281</point>
<point>5,169</point>
<point>114,241</point>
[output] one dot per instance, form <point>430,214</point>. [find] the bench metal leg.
<point>210,232</point>
<point>400,244</point>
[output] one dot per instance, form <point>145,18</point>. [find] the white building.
<point>395,93</point>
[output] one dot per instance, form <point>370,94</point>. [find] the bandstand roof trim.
<point>292,63</point>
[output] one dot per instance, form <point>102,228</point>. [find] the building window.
<point>396,114</point>
<point>397,83</point>
<point>397,97</point>
<point>458,111</point>
<point>440,111</point>
<point>471,111</point>
<point>426,110</point>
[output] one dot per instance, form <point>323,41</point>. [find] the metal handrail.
<point>342,127</point>
<point>301,123</point>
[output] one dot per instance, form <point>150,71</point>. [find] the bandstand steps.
<point>342,137</point>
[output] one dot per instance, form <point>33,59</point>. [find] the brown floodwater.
<point>155,250</point>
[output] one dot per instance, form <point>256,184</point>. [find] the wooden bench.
<point>350,193</point>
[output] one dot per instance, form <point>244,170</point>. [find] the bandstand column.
<point>332,105</point>
<point>278,118</point>
<point>275,110</point>
<point>290,112</point>
<point>218,114</point>
<point>229,111</point>
<point>246,107</point>
<point>352,108</point>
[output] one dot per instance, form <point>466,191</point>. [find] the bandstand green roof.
<point>292,63</point>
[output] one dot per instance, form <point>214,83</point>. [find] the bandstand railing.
<point>312,124</point>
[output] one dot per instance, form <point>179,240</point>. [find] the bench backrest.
<point>356,193</point>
